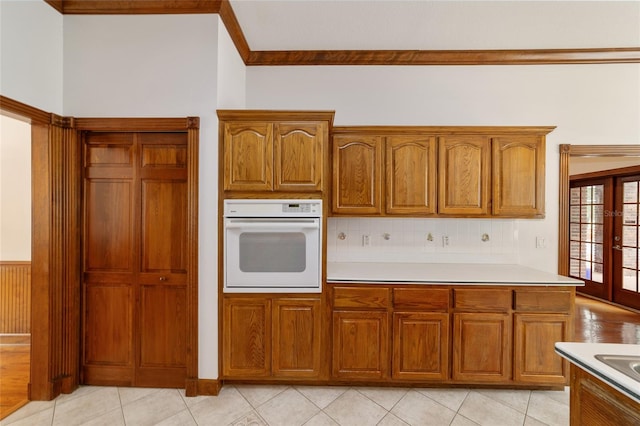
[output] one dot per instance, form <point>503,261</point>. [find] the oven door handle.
<point>290,224</point>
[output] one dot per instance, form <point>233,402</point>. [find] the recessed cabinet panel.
<point>411,174</point>
<point>248,156</point>
<point>464,173</point>
<point>357,179</point>
<point>298,156</point>
<point>518,175</point>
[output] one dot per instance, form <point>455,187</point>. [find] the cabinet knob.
<point>163,278</point>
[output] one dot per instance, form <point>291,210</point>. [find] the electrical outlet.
<point>445,240</point>
<point>366,240</point>
<point>541,242</point>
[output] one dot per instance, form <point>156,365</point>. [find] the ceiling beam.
<point>134,7</point>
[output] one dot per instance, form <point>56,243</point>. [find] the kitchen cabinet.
<point>357,174</point>
<point>594,402</point>
<point>482,335</point>
<point>438,171</point>
<point>271,337</point>
<point>404,183</point>
<point>518,175</point>
<point>264,151</point>
<point>541,319</point>
<point>421,337</point>
<point>464,172</point>
<point>360,349</point>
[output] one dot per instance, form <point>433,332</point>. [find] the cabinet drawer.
<point>361,297</point>
<point>543,301</point>
<point>482,300</point>
<point>421,298</point>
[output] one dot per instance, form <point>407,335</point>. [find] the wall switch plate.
<point>541,242</point>
<point>445,240</point>
<point>366,240</point>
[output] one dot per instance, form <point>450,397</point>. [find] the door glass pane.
<point>630,192</point>
<point>629,258</point>
<point>598,214</point>
<point>585,214</point>
<point>574,249</point>
<point>587,192</point>
<point>585,251</point>
<point>630,215</point>
<point>574,231</point>
<point>597,233</point>
<point>598,194</point>
<point>630,279</point>
<point>272,252</point>
<point>574,215</point>
<point>574,267</point>
<point>630,236</point>
<point>575,196</point>
<point>597,275</point>
<point>597,253</point>
<point>585,232</point>
<point>585,270</point>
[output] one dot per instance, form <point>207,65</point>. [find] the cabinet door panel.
<point>360,345</point>
<point>246,337</point>
<point>421,346</point>
<point>518,175</point>
<point>357,180</point>
<point>482,345</point>
<point>411,175</point>
<point>298,156</point>
<point>248,156</point>
<point>535,357</point>
<point>296,337</point>
<point>464,171</point>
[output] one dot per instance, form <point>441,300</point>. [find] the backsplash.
<point>422,240</point>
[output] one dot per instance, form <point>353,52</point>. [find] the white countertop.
<point>443,273</point>
<point>583,355</point>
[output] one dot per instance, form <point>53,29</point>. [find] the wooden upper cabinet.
<point>248,156</point>
<point>518,175</point>
<point>410,171</point>
<point>464,172</point>
<point>267,151</point>
<point>357,174</point>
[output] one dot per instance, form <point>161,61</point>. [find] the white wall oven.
<point>272,246</point>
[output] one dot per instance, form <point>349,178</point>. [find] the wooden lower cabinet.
<point>360,345</point>
<point>420,346</point>
<point>481,347</point>
<point>271,337</point>
<point>595,403</point>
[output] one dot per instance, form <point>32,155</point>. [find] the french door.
<point>626,250</point>
<point>604,237</point>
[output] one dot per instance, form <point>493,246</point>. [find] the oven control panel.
<point>272,208</point>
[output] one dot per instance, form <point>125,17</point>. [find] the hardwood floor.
<point>14,372</point>
<point>595,322</point>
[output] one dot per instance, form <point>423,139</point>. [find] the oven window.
<point>272,252</point>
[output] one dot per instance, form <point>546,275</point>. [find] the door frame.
<point>192,126</point>
<point>55,241</point>
<point>566,152</point>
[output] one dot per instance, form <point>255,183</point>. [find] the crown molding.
<point>347,57</point>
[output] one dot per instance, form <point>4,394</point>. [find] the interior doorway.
<point>15,262</point>
<point>598,229</point>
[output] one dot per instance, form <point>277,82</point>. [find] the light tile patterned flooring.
<point>247,405</point>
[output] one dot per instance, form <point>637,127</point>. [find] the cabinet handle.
<point>163,278</point>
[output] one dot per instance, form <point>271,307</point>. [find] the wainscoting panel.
<point>15,297</point>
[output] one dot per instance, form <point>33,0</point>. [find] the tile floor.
<point>247,405</point>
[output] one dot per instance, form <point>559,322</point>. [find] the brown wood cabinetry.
<point>518,175</point>
<point>464,172</point>
<point>263,151</point>
<point>447,171</point>
<point>276,337</point>
<point>595,403</point>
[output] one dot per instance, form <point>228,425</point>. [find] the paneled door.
<point>135,259</point>
<point>626,253</point>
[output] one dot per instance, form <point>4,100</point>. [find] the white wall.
<point>156,66</point>
<point>31,46</point>
<point>15,189</point>
<point>589,104</point>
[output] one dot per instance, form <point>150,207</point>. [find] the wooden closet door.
<point>135,246</point>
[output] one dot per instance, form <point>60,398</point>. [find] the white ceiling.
<point>436,25</point>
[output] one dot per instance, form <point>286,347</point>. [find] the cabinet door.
<point>481,347</point>
<point>463,175</point>
<point>298,155</point>
<point>296,337</point>
<point>246,337</point>
<point>360,345</point>
<point>248,156</point>
<point>357,174</point>
<point>411,175</point>
<point>535,357</point>
<point>518,175</point>
<point>420,346</point>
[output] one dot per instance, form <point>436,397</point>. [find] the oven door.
<point>272,255</point>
